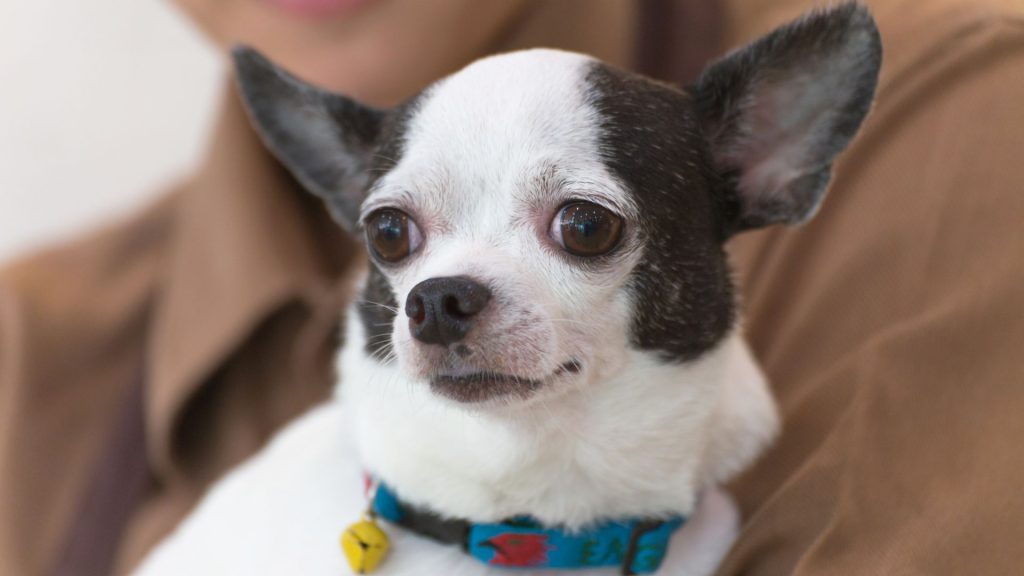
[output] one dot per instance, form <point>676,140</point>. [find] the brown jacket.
<point>891,328</point>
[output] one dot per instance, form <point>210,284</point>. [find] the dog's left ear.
<point>327,141</point>
<point>777,112</point>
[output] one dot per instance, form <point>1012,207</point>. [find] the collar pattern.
<point>638,545</point>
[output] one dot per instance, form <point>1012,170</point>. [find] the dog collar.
<point>638,546</point>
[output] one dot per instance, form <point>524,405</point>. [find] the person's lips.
<point>317,8</point>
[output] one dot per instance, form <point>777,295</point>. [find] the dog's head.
<point>537,215</point>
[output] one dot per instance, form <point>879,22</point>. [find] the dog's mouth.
<point>478,387</point>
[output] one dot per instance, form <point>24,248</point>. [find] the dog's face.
<point>523,260</point>
<point>538,215</point>
<point>503,237</point>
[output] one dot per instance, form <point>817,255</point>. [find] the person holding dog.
<point>141,363</point>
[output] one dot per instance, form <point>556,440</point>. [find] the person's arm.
<point>72,331</point>
<point>15,557</point>
<point>902,452</point>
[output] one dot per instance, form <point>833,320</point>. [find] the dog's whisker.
<point>388,307</point>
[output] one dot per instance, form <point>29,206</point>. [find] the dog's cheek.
<point>377,305</point>
<point>579,317</point>
<point>410,361</point>
<point>518,336</point>
<point>593,331</point>
<point>611,342</point>
<point>681,309</point>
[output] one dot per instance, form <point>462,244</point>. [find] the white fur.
<point>492,153</point>
<point>283,511</point>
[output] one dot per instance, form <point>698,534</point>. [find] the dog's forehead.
<point>510,99</point>
<point>499,120</point>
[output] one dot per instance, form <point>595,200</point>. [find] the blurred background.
<point>93,120</point>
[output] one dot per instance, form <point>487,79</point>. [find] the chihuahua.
<point>544,367</point>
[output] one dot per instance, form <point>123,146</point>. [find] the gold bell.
<point>365,545</point>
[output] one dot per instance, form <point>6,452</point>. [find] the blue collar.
<point>637,545</point>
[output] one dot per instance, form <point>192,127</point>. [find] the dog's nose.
<point>441,310</point>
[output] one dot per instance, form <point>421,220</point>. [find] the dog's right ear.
<point>325,140</point>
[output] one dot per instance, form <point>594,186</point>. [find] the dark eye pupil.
<point>589,229</point>
<point>390,231</point>
<point>389,234</point>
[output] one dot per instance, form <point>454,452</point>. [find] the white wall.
<point>103,103</point>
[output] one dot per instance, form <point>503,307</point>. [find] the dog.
<point>544,367</point>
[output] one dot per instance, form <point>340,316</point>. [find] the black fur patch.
<point>683,158</point>
<point>391,144</point>
<point>651,141</point>
<point>377,303</point>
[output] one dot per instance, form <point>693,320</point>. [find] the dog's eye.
<point>586,229</point>
<point>392,234</point>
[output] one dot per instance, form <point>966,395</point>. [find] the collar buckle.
<point>633,548</point>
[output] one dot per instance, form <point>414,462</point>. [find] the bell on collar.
<point>365,545</point>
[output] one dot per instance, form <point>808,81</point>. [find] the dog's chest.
<point>283,511</point>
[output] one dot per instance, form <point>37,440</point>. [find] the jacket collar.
<point>247,241</point>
